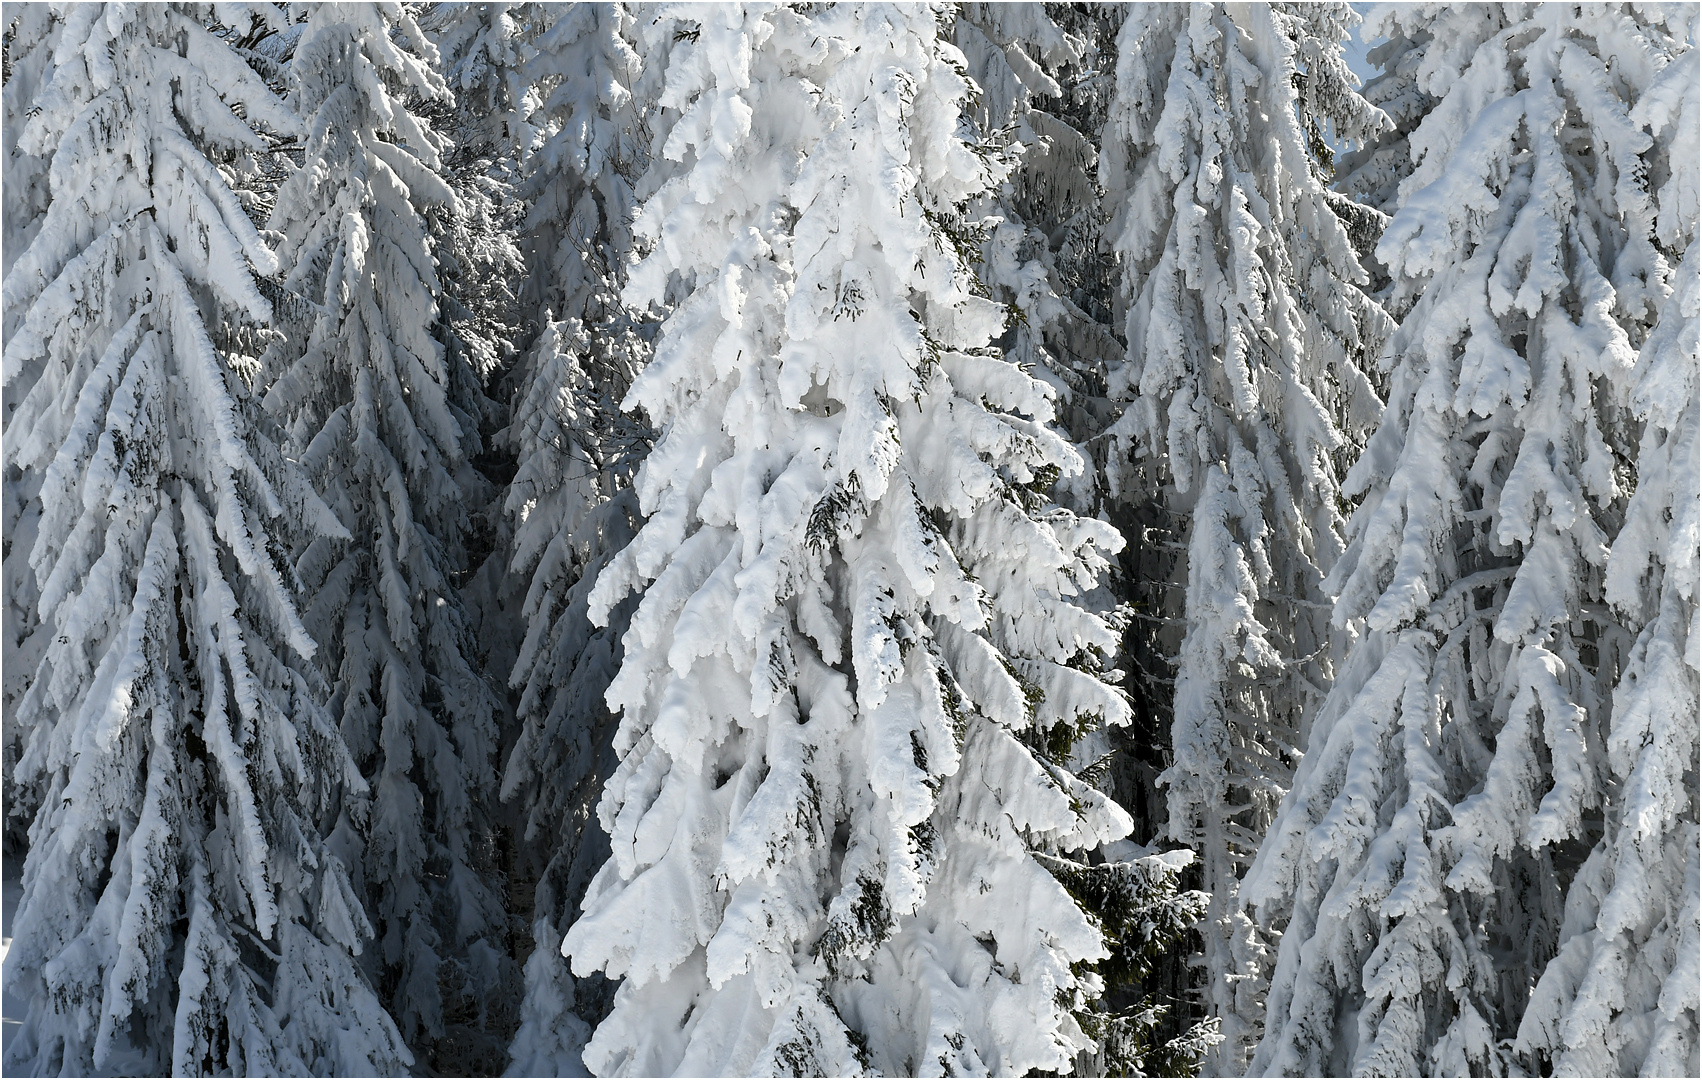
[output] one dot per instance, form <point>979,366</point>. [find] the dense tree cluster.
<point>851,539</point>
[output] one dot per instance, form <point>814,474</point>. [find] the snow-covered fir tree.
<point>1457,772</point>
<point>840,781</point>
<point>571,500</point>
<point>182,910</point>
<point>1243,395</point>
<point>381,416</point>
<point>1620,996</point>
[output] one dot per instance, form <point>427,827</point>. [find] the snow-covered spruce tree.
<point>571,500</point>
<point>31,31</point>
<point>1455,772</point>
<point>840,788</point>
<point>30,34</point>
<point>1056,192</point>
<point>482,323</point>
<point>482,50</point>
<point>1244,395</point>
<point>1148,920</point>
<point>474,237</point>
<point>1371,173</point>
<point>380,417</point>
<point>1018,56</point>
<point>1007,49</point>
<point>181,910</point>
<point>1059,193</point>
<point>578,183</point>
<point>563,751</point>
<point>996,40</point>
<point>1620,997</point>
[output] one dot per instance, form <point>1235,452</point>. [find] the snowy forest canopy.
<point>851,539</point>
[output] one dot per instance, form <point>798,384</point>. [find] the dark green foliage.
<point>833,513</point>
<point>1146,918</point>
<point>870,923</point>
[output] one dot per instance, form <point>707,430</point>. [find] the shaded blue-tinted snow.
<point>12,1012</point>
